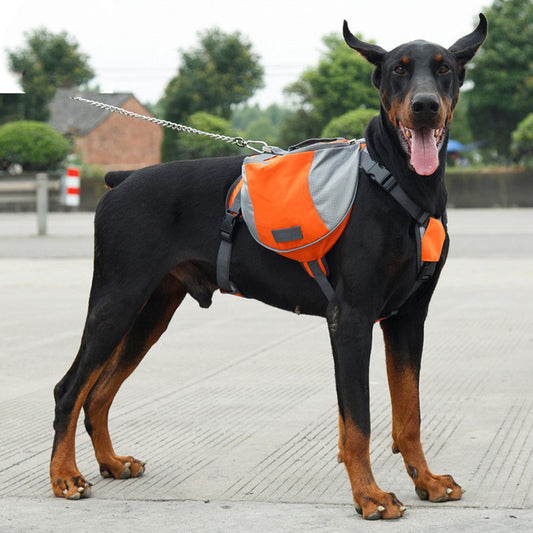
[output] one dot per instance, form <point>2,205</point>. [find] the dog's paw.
<point>382,505</point>
<point>120,467</point>
<point>71,487</point>
<point>438,488</point>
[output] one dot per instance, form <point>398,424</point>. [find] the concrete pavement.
<point>237,419</point>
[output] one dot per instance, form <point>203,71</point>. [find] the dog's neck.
<point>429,192</point>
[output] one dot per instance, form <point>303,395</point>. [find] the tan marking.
<point>342,438</point>
<point>356,458</point>
<point>438,58</point>
<point>405,60</point>
<point>63,468</point>
<point>403,385</point>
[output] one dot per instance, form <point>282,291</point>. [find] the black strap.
<point>227,230</point>
<point>388,182</point>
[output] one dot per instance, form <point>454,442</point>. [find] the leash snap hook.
<point>264,147</point>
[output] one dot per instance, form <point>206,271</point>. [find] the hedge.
<point>34,145</point>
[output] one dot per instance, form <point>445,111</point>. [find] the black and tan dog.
<point>157,234</point>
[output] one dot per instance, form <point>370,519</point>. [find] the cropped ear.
<point>466,47</point>
<point>371,52</point>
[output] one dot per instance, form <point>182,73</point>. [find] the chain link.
<point>238,141</point>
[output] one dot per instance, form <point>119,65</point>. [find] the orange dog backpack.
<point>298,202</point>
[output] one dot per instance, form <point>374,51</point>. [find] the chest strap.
<point>423,219</point>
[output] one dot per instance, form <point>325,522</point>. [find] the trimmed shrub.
<point>34,145</point>
<point>351,125</point>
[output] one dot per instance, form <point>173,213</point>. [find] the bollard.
<point>42,202</point>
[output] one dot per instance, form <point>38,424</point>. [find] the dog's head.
<point>419,84</point>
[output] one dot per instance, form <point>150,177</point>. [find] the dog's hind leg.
<point>111,314</point>
<point>351,338</point>
<point>403,345</point>
<point>146,330</point>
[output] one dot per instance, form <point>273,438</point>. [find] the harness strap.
<point>388,182</point>
<point>227,230</point>
<point>320,277</point>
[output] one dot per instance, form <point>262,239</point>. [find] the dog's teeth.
<point>127,465</point>
<point>81,489</point>
<point>403,509</point>
<point>449,491</point>
<point>65,492</point>
<point>381,508</point>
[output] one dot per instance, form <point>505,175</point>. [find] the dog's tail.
<point>116,177</point>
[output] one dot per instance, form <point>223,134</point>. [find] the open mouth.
<point>423,146</point>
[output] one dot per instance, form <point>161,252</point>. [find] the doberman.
<point>157,234</point>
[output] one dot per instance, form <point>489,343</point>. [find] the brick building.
<point>103,138</point>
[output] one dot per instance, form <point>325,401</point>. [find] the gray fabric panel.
<point>333,182</point>
<point>287,234</point>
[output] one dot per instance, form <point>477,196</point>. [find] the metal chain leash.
<point>238,141</point>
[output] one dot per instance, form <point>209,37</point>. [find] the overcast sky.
<point>134,45</point>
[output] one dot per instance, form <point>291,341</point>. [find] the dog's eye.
<point>443,69</point>
<point>400,69</point>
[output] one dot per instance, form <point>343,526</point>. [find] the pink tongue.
<point>424,153</point>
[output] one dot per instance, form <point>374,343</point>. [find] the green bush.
<point>522,144</point>
<point>351,125</point>
<point>34,145</point>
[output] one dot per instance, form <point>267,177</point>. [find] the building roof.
<point>69,116</point>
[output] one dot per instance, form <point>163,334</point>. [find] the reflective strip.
<point>287,234</point>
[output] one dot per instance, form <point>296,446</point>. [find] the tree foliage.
<point>522,145</point>
<point>192,146</point>
<point>503,75</point>
<point>34,145</point>
<point>47,61</point>
<point>341,82</point>
<point>351,125</point>
<point>221,72</point>
<point>256,123</point>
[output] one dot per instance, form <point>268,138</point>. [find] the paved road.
<point>238,422</point>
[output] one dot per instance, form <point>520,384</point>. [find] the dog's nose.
<point>425,105</point>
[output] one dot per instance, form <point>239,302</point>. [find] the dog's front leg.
<point>404,337</point>
<point>351,338</point>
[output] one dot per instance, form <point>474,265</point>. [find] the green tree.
<point>522,145</point>
<point>221,72</point>
<point>503,75</point>
<point>46,62</point>
<point>341,82</point>
<point>259,124</point>
<point>11,107</point>
<point>351,125</point>
<point>460,127</point>
<point>34,145</point>
<point>193,146</point>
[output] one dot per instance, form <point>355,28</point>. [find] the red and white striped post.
<point>72,187</point>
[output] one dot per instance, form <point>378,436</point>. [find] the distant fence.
<point>31,191</point>
<point>506,188</point>
<point>466,189</point>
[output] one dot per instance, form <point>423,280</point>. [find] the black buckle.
<point>388,182</point>
<point>227,229</point>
